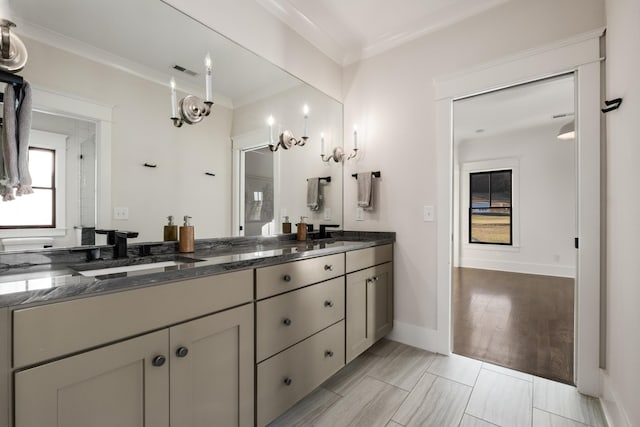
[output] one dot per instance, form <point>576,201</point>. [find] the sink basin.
<point>128,268</point>
<point>132,265</point>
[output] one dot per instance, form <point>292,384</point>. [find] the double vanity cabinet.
<point>232,349</point>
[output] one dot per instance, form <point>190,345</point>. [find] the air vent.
<point>559,116</point>
<point>185,70</point>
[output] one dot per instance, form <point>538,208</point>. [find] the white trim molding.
<point>415,336</point>
<point>579,55</point>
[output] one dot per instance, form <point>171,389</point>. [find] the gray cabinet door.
<point>118,385</point>
<point>212,370</point>
<point>380,301</point>
<point>369,305</point>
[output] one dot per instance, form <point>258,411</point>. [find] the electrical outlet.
<point>327,214</point>
<point>120,213</point>
<point>359,214</point>
<point>428,214</point>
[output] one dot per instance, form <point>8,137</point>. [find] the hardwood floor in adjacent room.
<point>520,321</point>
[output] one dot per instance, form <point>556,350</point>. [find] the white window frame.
<point>488,166</point>
<point>58,143</point>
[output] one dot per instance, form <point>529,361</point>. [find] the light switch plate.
<point>428,213</point>
<point>359,214</point>
<point>327,214</point>
<point>120,213</point>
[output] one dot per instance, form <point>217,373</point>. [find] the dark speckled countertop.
<point>48,276</point>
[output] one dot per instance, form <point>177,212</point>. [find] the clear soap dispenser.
<point>186,244</point>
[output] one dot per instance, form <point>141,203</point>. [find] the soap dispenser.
<point>170,230</point>
<point>302,229</point>
<point>186,243</point>
<point>286,225</point>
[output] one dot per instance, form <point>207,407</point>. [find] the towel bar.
<point>375,174</point>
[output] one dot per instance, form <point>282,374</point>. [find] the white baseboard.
<point>613,413</point>
<point>520,267</point>
<point>417,336</point>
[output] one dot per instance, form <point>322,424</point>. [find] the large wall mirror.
<point>100,74</point>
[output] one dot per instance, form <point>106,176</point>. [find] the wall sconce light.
<point>338,153</point>
<point>286,139</point>
<point>192,109</point>
<point>567,131</point>
<point>13,53</point>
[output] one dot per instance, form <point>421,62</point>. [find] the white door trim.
<point>579,55</point>
<point>240,144</point>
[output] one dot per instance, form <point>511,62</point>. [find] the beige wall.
<point>142,132</point>
<point>391,97</point>
<point>622,377</point>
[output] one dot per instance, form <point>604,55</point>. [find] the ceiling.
<point>350,30</point>
<point>520,107</point>
<point>150,46</point>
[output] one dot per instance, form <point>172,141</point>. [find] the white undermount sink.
<point>129,268</point>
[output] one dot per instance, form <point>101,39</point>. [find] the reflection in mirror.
<point>94,79</point>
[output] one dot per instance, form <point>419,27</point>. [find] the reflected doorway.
<point>514,208</point>
<point>258,180</point>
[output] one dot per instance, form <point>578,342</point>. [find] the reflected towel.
<point>24,128</point>
<point>365,190</point>
<point>313,193</point>
<point>15,142</point>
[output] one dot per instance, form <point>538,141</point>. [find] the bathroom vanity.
<point>234,338</point>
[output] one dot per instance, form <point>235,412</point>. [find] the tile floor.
<point>395,385</point>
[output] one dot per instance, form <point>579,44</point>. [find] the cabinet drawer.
<point>286,319</point>
<point>288,377</point>
<point>286,277</point>
<point>49,331</point>
<point>364,258</point>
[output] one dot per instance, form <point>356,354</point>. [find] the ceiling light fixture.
<point>567,131</point>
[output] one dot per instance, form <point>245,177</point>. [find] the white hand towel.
<point>15,142</point>
<point>9,145</point>
<point>365,190</point>
<point>313,193</point>
<point>24,129</point>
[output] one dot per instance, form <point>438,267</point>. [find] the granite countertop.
<point>48,276</point>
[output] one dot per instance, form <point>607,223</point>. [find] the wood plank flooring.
<point>520,321</point>
<point>394,385</point>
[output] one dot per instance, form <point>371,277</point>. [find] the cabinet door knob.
<point>286,278</point>
<point>287,381</point>
<point>287,321</point>
<point>182,351</point>
<point>328,267</point>
<point>158,360</point>
<point>328,303</point>
<point>328,353</point>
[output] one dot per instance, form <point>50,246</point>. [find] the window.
<point>37,210</point>
<point>490,207</point>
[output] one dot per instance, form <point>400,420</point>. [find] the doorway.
<point>514,224</point>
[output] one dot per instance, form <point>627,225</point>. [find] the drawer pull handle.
<point>328,303</point>
<point>328,353</point>
<point>286,278</point>
<point>287,322</point>
<point>328,267</point>
<point>158,361</point>
<point>182,351</point>
<point>287,381</point>
<point>372,279</point>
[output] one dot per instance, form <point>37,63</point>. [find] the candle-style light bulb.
<point>270,122</point>
<point>322,143</point>
<point>305,111</point>
<point>174,101</point>
<point>355,137</point>
<point>208,79</point>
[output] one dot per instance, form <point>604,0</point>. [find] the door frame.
<point>240,144</point>
<point>579,55</point>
